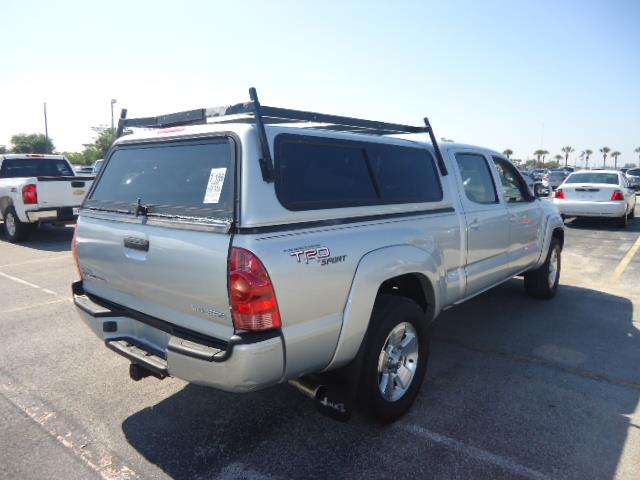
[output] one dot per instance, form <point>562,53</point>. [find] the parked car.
<point>556,177</point>
<point>633,177</point>
<point>242,255</point>
<point>36,188</point>
<point>539,173</point>
<point>83,170</point>
<point>539,187</point>
<point>602,193</point>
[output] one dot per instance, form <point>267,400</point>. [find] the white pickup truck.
<point>37,188</point>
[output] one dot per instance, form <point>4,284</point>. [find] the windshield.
<point>188,178</point>
<point>592,177</point>
<point>35,167</point>
<point>634,171</point>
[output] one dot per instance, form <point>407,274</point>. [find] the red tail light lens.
<point>253,299</point>
<point>74,250</point>
<point>617,195</point>
<point>30,194</point>
<point>559,194</point>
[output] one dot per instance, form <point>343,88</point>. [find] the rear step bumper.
<point>245,363</point>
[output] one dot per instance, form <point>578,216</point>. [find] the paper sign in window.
<point>214,186</point>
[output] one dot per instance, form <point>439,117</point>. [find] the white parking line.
<point>29,284</point>
<point>93,454</point>
<point>37,305</point>
<point>477,453</point>
<point>64,255</point>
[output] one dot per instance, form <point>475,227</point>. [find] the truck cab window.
<point>513,186</point>
<point>476,178</point>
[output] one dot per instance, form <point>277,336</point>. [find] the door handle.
<point>136,243</point>
<point>474,225</point>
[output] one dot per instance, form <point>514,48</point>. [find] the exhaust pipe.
<point>327,402</point>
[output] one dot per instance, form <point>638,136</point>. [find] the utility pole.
<point>46,130</point>
<point>113,102</point>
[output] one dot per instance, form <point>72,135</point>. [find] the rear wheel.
<point>624,220</point>
<point>543,281</point>
<point>395,360</point>
<point>14,229</point>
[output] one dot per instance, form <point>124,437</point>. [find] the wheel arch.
<point>403,270</point>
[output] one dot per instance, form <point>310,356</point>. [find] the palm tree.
<point>544,154</point>
<point>508,152</point>
<point>615,156</point>
<point>587,154</point>
<point>558,158</point>
<point>604,151</point>
<point>637,150</point>
<point>567,150</point>
<point>539,153</point>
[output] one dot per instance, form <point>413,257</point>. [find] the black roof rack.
<point>261,115</point>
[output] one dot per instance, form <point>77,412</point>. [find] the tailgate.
<point>153,234</point>
<point>62,191</point>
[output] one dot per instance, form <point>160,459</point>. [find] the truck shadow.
<point>550,386</point>
<point>47,238</point>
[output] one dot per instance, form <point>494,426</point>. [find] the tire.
<point>543,281</point>
<point>632,213</point>
<point>403,318</point>
<point>15,230</point>
<point>623,221</point>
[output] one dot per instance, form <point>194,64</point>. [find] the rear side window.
<point>35,167</point>
<point>315,173</point>
<point>190,179</point>
<point>476,178</point>
<point>634,171</point>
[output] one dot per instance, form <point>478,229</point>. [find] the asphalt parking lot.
<point>516,388</point>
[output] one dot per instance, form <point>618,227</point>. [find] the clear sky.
<point>490,73</point>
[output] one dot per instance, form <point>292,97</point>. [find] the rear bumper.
<point>65,214</point>
<point>590,209</point>
<point>245,363</point>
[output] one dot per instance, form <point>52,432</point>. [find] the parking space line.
<point>29,284</point>
<point>94,455</point>
<point>624,263</point>
<point>37,260</point>
<point>477,453</point>
<point>37,305</point>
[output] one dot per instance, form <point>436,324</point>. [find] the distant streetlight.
<point>46,130</point>
<point>113,102</point>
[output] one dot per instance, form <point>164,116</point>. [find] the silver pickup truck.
<point>246,246</point>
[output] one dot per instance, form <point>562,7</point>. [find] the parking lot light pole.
<point>46,130</point>
<point>113,102</point>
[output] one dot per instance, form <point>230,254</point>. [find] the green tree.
<point>567,150</point>
<point>604,151</point>
<point>587,154</point>
<point>31,143</point>
<point>615,156</point>
<point>508,152</point>
<point>558,158</point>
<point>637,150</point>
<point>540,154</point>
<point>3,149</point>
<point>630,165</point>
<point>93,151</point>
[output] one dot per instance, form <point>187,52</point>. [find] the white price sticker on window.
<point>214,187</point>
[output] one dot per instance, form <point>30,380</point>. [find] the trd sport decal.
<point>315,254</point>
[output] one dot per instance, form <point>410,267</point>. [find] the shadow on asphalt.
<point>47,238</point>
<point>546,384</point>
<point>606,224</point>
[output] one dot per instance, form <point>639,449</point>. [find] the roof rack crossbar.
<point>253,112</point>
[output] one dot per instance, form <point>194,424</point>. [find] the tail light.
<point>559,194</point>
<point>617,196</point>
<point>30,194</point>
<point>74,250</point>
<point>253,299</point>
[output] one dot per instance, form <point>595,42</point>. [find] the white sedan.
<point>602,193</point>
